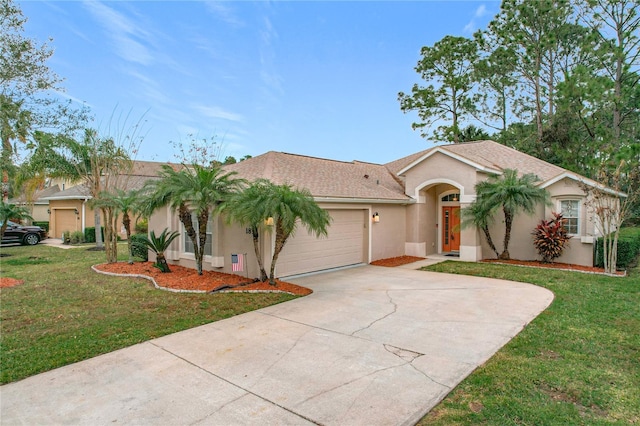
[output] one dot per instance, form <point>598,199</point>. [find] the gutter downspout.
<point>84,210</point>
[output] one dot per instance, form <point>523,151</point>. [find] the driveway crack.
<point>395,308</point>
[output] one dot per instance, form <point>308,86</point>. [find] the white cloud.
<point>217,112</point>
<point>224,12</point>
<point>481,11</point>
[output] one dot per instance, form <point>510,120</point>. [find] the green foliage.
<point>142,226</point>
<point>628,248</point>
<point>76,237</point>
<point>11,212</point>
<point>90,234</point>
<point>138,247</point>
<point>159,244</point>
<point>448,68</point>
<point>43,225</point>
<point>66,237</point>
<point>550,238</point>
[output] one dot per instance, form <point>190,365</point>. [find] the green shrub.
<point>43,225</point>
<point>628,248</point>
<point>76,237</point>
<point>138,248</point>
<point>90,234</point>
<point>66,237</point>
<point>142,227</point>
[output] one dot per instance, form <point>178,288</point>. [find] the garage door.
<point>343,246</point>
<point>65,221</point>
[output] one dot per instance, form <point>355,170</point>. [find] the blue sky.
<point>305,77</point>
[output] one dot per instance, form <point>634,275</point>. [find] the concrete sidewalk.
<point>371,346</point>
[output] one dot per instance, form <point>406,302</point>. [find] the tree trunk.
<point>126,222</point>
<point>508,221</point>
<point>161,263</point>
<point>487,235</point>
<point>281,239</point>
<point>256,248</point>
<point>98,225</point>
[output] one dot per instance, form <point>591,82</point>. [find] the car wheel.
<point>31,239</point>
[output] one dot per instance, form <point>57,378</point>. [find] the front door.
<point>450,229</point>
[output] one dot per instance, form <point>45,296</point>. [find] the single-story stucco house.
<point>409,206</point>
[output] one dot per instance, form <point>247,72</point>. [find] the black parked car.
<point>29,235</point>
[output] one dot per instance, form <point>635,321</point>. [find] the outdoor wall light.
<point>48,211</point>
<point>376,217</point>
<point>76,211</point>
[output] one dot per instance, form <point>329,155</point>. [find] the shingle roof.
<point>322,177</point>
<point>490,154</point>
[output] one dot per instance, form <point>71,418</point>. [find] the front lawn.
<point>64,312</point>
<point>577,363</point>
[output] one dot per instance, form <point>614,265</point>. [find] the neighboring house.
<point>40,205</point>
<point>407,207</point>
<point>69,210</point>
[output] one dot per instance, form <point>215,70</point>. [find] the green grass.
<point>65,312</point>
<point>577,363</point>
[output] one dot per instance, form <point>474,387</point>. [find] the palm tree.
<point>11,211</point>
<point>249,209</point>
<point>159,245</point>
<point>263,203</point>
<point>125,203</point>
<point>477,214</point>
<point>195,190</point>
<point>513,194</point>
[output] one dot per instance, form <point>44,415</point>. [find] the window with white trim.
<point>570,210</point>
<point>188,244</point>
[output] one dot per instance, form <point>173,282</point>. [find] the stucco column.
<point>470,242</point>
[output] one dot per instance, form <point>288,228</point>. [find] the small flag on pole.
<point>237,262</point>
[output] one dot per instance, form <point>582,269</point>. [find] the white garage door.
<point>343,246</point>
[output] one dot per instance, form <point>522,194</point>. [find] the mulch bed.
<point>396,261</point>
<point>9,282</point>
<point>552,265</point>
<point>181,278</point>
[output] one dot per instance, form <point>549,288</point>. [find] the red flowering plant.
<point>550,238</point>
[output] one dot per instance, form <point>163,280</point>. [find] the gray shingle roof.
<point>322,177</point>
<point>489,154</point>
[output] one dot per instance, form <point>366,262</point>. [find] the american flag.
<point>237,262</point>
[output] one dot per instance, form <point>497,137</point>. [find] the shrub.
<point>66,237</point>
<point>138,248</point>
<point>43,225</point>
<point>76,237</point>
<point>158,245</point>
<point>550,238</point>
<point>142,226</point>
<point>90,234</point>
<point>628,248</point>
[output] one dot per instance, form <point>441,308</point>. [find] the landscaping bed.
<point>187,279</point>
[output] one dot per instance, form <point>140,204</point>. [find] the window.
<point>570,210</point>
<point>451,197</point>
<point>188,244</point>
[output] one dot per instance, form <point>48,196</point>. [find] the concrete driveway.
<point>371,346</point>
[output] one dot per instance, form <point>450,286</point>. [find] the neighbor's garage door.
<point>343,246</point>
<point>65,221</point>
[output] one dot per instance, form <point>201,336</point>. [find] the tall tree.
<point>196,192</point>
<point>540,35</point>
<point>125,203</point>
<point>11,211</point>
<point>449,65</point>
<point>25,84</point>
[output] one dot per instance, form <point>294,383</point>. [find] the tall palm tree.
<point>249,209</point>
<point>513,194</point>
<point>195,189</point>
<point>264,202</point>
<point>11,211</point>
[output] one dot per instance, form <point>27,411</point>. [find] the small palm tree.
<point>513,194</point>
<point>125,203</point>
<point>11,211</point>
<point>479,216</point>
<point>194,189</point>
<point>159,244</point>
